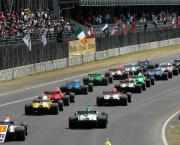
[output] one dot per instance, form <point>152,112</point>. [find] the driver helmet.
<point>169,63</point>
<point>6,119</point>
<point>77,80</point>
<point>114,90</point>
<point>89,108</point>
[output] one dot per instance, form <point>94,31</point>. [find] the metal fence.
<point>19,55</point>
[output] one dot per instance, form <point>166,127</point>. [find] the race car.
<point>97,79</point>
<point>118,73</point>
<point>143,80</point>
<point>133,69</point>
<point>58,97</point>
<point>88,118</point>
<point>128,85</point>
<point>44,105</point>
<point>176,64</point>
<point>157,73</point>
<point>15,131</point>
<point>114,98</point>
<point>170,69</point>
<point>146,64</point>
<point>77,87</point>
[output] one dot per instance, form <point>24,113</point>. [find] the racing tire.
<point>19,133</point>
<point>117,86</point>
<point>72,97</point>
<point>28,109</point>
<point>110,78</point>
<point>143,86</point>
<point>63,89</point>
<point>170,74</point>
<point>124,100</point>
<point>156,65</point>
<point>129,96</point>
<point>85,81</point>
<point>105,81</point>
<point>84,89</point>
<point>61,105</point>
<point>105,114</point>
<point>138,88</point>
<point>165,76</point>
<point>151,66</point>
<point>25,125</point>
<point>152,80</point>
<point>73,121</point>
<point>131,73</point>
<point>125,75</point>
<point>107,74</point>
<point>90,87</point>
<point>146,74</point>
<point>148,83</point>
<point>54,109</point>
<point>144,69</point>
<point>66,100</point>
<point>176,71</point>
<point>100,100</point>
<point>102,121</point>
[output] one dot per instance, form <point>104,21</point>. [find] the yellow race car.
<point>41,105</point>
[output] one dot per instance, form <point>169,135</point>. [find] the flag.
<point>175,22</point>
<point>27,41</point>
<point>44,41</point>
<point>106,30</point>
<point>165,24</point>
<point>133,27</point>
<point>107,142</point>
<point>80,35</point>
<point>114,30</point>
<point>91,33</point>
<point>155,24</point>
<point>145,26</point>
<point>124,26</point>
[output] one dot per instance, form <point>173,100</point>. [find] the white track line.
<point>164,128</point>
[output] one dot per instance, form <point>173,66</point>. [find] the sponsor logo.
<point>3,132</point>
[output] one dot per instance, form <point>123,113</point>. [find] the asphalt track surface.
<point>139,123</point>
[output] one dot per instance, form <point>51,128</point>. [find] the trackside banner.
<point>76,48</point>
<point>3,132</point>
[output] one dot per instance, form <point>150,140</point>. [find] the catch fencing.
<point>36,68</point>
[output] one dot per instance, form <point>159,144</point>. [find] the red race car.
<point>58,96</point>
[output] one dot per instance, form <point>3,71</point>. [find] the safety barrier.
<point>32,69</point>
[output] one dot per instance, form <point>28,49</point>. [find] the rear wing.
<point>40,100</point>
<point>85,112</point>
<point>126,81</point>
<point>6,123</point>
<point>72,83</point>
<point>164,65</point>
<point>110,92</point>
<point>177,60</point>
<point>51,92</point>
<point>114,69</point>
<point>154,70</point>
<point>136,76</point>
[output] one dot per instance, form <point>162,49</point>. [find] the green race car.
<point>143,80</point>
<point>97,79</point>
<point>88,118</point>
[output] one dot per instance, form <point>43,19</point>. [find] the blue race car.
<point>157,73</point>
<point>76,87</point>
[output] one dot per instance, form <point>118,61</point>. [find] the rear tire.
<point>24,124</point>
<point>129,96</point>
<point>105,81</point>
<point>28,109</point>
<point>148,83</point>
<point>85,81</point>
<point>66,100</point>
<point>54,109</point>
<point>84,89</point>
<point>90,87</point>
<point>63,89</point>
<point>61,105</point>
<point>72,97</point>
<point>102,121</point>
<point>100,100</point>
<point>19,133</point>
<point>110,78</point>
<point>124,100</point>
<point>152,80</point>
<point>73,122</point>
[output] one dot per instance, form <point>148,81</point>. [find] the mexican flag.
<point>80,35</point>
<point>106,30</point>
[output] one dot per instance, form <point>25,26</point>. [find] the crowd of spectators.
<point>97,19</point>
<point>19,23</point>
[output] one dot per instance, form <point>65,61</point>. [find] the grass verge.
<point>174,135</point>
